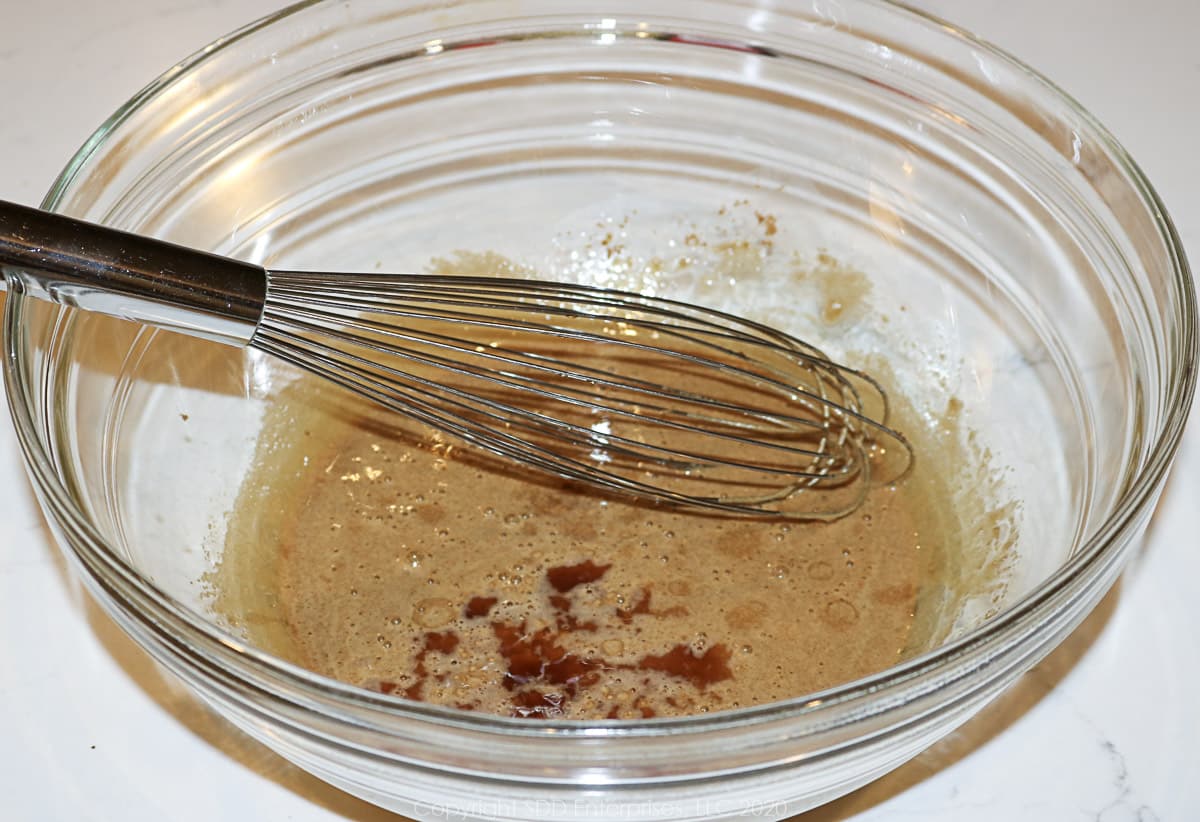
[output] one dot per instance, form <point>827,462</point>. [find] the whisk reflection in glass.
<point>662,400</point>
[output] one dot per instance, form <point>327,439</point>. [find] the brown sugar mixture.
<point>413,573</point>
<point>392,559</point>
<point>407,566</point>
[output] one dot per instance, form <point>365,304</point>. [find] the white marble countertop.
<point>1105,729</point>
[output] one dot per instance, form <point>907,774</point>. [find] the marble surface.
<point>1104,729</point>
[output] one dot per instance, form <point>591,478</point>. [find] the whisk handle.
<point>82,264</point>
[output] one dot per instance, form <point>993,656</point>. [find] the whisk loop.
<point>644,396</point>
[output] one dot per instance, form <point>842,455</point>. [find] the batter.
<point>402,564</point>
<point>380,554</point>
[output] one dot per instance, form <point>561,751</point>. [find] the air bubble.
<point>433,612</point>
<point>820,570</point>
<point>612,647</point>
<point>840,613</point>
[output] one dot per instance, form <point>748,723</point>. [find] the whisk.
<point>665,401</point>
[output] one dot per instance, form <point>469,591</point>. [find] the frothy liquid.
<point>390,559</point>
<point>405,565</point>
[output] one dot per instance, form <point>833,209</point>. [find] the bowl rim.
<point>952,661</point>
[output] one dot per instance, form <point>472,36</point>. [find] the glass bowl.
<point>1020,265</point>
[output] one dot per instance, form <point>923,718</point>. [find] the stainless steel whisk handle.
<point>82,264</point>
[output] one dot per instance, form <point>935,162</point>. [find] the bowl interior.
<point>745,168</point>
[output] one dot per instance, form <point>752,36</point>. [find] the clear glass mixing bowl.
<point>1020,262</point>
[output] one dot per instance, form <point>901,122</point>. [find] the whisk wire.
<point>369,369</point>
<point>563,370</point>
<point>496,441</point>
<point>765,416</point>
<point>382,292</point>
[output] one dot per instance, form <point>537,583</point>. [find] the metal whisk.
<point>644,396</point>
